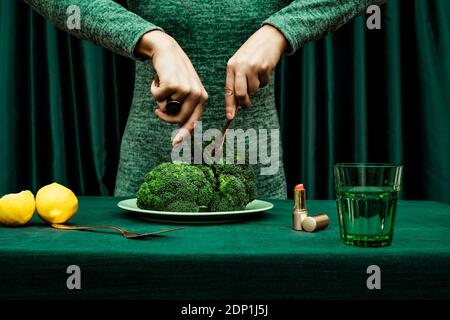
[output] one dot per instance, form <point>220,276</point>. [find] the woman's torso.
<point>210,33</point>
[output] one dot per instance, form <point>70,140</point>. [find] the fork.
<point>125,233</point>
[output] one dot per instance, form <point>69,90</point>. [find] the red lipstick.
<point>299,212</point>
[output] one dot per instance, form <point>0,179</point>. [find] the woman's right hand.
<point>178,81</point>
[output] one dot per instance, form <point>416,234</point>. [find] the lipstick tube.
<point>315,223</point>
<point>299,212</point>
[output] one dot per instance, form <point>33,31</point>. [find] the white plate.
<point>254,207</point>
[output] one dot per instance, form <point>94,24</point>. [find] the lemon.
<point>17,209</point>
<point>56,203</point>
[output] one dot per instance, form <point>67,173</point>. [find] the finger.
<point>170,90</point>
<point>162,105</point>
<point>189,125</point>
<point>240,90</point>
<point>230,100</point>
<point>187,108</point>
<point>181,135</point>
<point>160,93</point>
<point>180,92</point>
<point>253,84</point>
<point>165,117</point>
<point>264,78</point>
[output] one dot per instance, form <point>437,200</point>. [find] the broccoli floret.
<point>236,187</point>
<point>209,174</point>
<point>241,171</point>
<point>234,190</point>
<point>169,185</point>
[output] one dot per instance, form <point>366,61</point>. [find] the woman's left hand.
<point>250,67</point>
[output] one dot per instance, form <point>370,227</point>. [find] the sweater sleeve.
<point>306,20</point>
<point>103,22</point>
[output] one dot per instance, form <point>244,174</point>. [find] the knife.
<point>224,131</point>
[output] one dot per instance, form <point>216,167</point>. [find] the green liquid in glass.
<point>367,215</point>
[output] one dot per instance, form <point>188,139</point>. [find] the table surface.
<point>262,258</point>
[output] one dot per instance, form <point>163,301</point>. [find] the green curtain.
<point>63,102</point>
<point>356,95</point>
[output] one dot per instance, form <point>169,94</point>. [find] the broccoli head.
<point>181,187</point>
<point>175,187</point>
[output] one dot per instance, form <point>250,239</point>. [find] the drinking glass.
<point>367,196</point>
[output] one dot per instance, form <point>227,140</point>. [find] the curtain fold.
<point>356,95</point>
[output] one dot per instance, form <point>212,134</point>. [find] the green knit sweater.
<point>210,32</point>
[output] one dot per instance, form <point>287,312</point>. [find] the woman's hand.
<point>178,81</point>
<point>250,67</point>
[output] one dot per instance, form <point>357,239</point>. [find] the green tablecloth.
<point>257,259</point>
